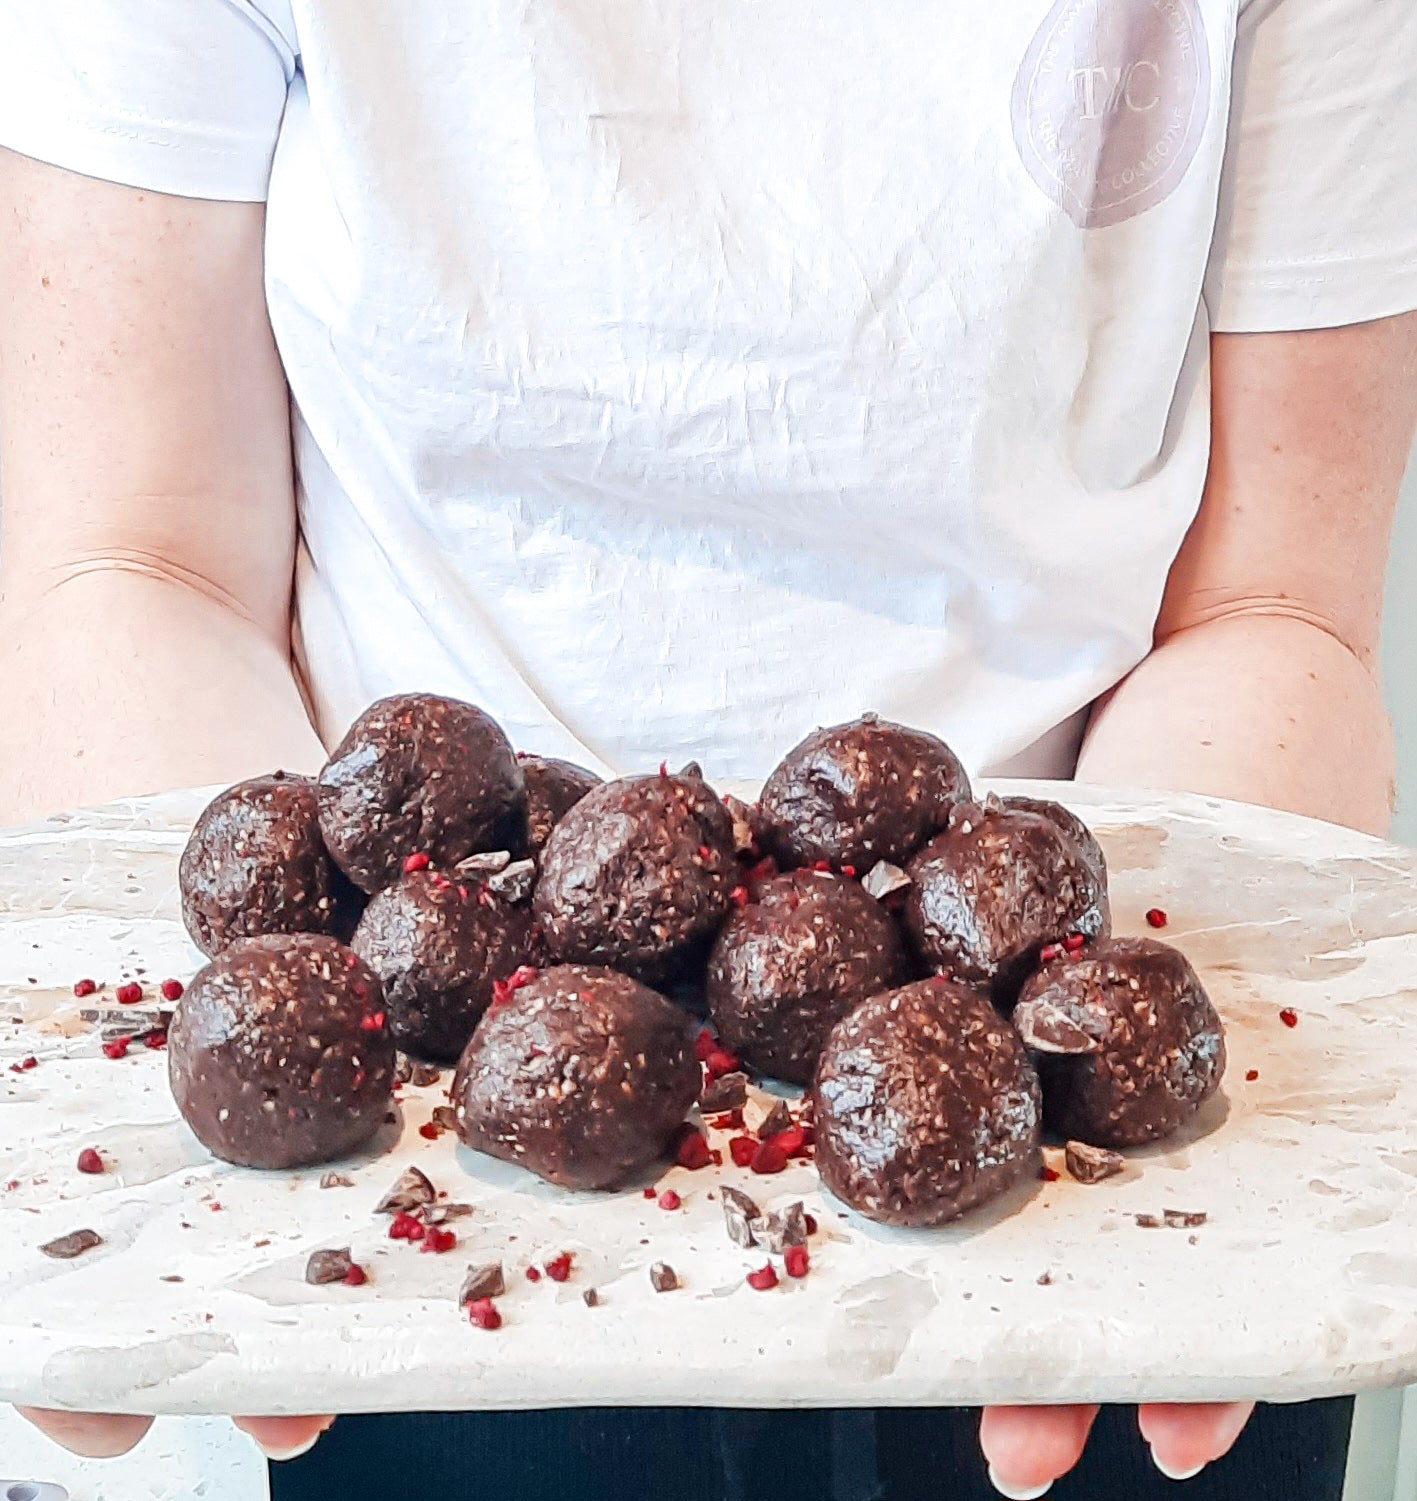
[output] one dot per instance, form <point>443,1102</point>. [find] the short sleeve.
<point>1317,220</point>
<point>178,96</point>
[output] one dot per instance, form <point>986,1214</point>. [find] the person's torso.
<point>674,377</point>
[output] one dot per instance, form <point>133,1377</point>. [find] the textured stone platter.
<point>1302,1281</point>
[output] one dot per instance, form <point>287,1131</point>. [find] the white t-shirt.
<point>675,375</point>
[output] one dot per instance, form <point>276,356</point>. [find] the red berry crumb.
<point>664,768</point>
<point>651,1193</point>
<point>559,1267</point>
<point>1289,1016</point>
<point>741,1150</point>
<point>356,1276</point>
<point>1251,1075</point>
<point>156,1039</point>
<point>821,865</point>
<point>796,1260</point>
<point>764,1279</point>
<point>129,994</point>
<point>118,1048</point>
<point>740,897</point>
<point>721,1061</point>
<point>1048,953</point>
<point>1156,918</point>
<point>670,1200</point>
<point>811,1222</point>
<point>90,1161</point>
<point>1073,942</point>
<point>429,1131</point>
<point>1049,1174</point>
<point>769,1157</point>
<point>406,1227</point>
<point>482,1312</point>
<point>704,1044</point>
<point>172,990</point>
<point>374,1022</point>
<point>438,1241</point>
<point>84,988</point>
<point>533,1274</point>
<point>24,1065</point>
<point>693,1151</point>
<point>792,1142</point>
<point>849,871</point>
<point>415,862</point>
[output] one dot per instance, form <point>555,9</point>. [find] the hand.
<point>1028,1448</point>
<point>105,1436</point>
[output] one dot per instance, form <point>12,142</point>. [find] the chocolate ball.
<point>861,792</point>
<point>418,774</point>
<point>279,1055</point>
<point>1129,1046</point>
<point>926,1105</point>
<point>584,1076</point>
<point>788,966</point>
<point>255,863</point>
<point>637,875</point>
<point>553,788</point>
<point>438,946</point>
<point>1072,826</point>
<point>991,890</point>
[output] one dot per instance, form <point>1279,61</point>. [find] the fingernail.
<point>280,1456</point>
<point>1017,1493</point>
<point>1175,1474</point>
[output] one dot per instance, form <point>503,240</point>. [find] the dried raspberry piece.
<point>796,1260</point>
<point>764,1279</point>
<point>742,1150</point>
<point>482,1312</point>
<point>559,1267</point>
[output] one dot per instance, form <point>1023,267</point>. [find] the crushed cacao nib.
<point>484,1281</point>
<point>171,1277</point>
<point>1148,1221</point>
<point>776,1121</point>
<point>1183,1219</point>
<point>590,1298</point>
<point>724,1092</point>
<point>328,1266</point>
<point>514,884</point>
<point>437,1214</point>
<point>403,1069</point>
<point>423,1075</point>
<point>782,1229</point>
<point>336,1180</point>
<point>1045,1279</point>
<point>740,1214</point>
<point>445,1117</point>
<point>489,864</point>
<point>412,1190</point>
<point>1090,1164</point>
<point>883,879</point>
<point>67,1247</point>
<point>663,1278</point>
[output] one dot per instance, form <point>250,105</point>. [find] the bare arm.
<point>1263,684</point>
<point>149,517</point>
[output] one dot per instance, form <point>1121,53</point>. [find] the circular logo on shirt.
<point>1110,103</point>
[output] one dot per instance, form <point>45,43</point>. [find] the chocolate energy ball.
<point>553,788</point>
<point>1072,826</point>
<point>926,1105</point>
<point>638,875</point>
<point>255,863</point>
<point>279,1055</point>
<point>861,792</point>
<point>437,946</point>
<point>788,966</point>
<point>583,1076</point>
<point>419,774</point>
<point>1129,1046</point>
<point>996,886</point>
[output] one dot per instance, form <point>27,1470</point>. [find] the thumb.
<point>284,1438</point>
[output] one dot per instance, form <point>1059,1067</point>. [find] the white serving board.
<point>1302,1283</point>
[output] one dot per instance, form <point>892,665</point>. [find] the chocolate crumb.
<point>336,1180</point>
<point>1148,1221</point>
<point>1089,1164</point>
<point>692,769</point>
<point>514,884</point>
<point>662,1277</point>
<point>445,1117</point>
<point>727,1092</point>
<point>783,1228</point>
<point>1183,1219</point>
<point>1048,1028</point>
<point>484,1281</point>
<point>1045,1279</point>
<point>436,1214</point>
<point>883,878</point>
<point>1193,1240</point>
<point>328,1266</point>
<point>424,1074</point>
<point>777,1120</point>
<point>171,1277</point>
<point>403,1069</point>
<point>590,1298</point>
<point>411,1191</point>
<point>260,1244</point>
<point>745,840</point>
<point>739,1215</point>
<point>66,1247</point>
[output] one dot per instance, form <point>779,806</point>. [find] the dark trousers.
<point>692,1454</point>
